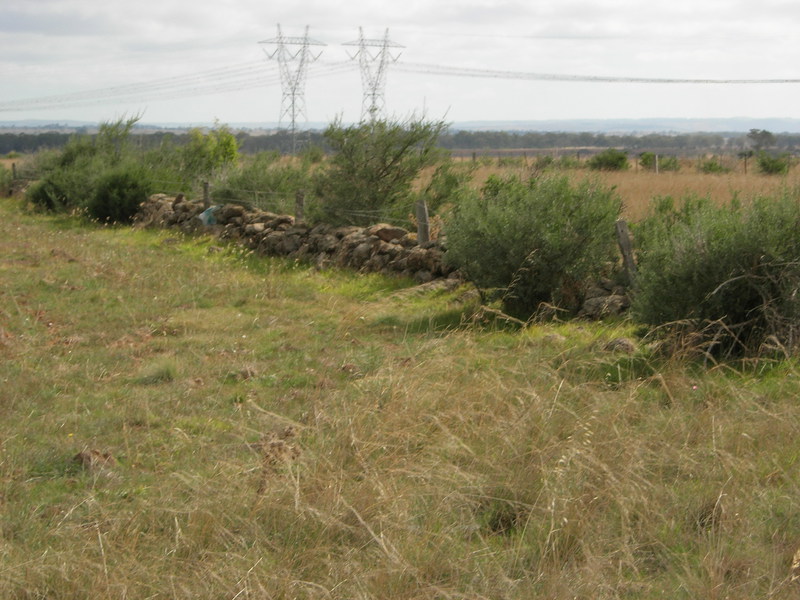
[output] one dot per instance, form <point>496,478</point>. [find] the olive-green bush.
<point>729,275</point>
<point>609,160</point>
<point>118,194</point>
<point>533,242</point>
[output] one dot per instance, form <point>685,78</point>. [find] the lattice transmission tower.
<point>293,55</point>
<point>374,57</point>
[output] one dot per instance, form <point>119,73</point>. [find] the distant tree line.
<point>29,143</point>
<point>467,141</point>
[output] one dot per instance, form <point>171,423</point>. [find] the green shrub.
<point>45,195</point>
<point>712,166</point>
<point>609,160</point>
<point>69,184</point>
<point>5,180</point>
<point>118,194</point>
<point>312,154</point>
<point>729,275</point>
<point>569,162</point>
<point>649,161</point>
<point>68,178</point>
<point>542,162</point>
<point>773,165</point>
<point>533,242</point>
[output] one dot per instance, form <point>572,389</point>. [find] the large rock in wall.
<point>379,248</point>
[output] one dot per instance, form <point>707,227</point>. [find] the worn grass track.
<point>264,430</point>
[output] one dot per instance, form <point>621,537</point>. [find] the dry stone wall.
<point>379,248</point>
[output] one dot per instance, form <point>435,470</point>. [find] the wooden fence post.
<point>626,248</point>
<point>423,227</point>
<point>13,171</point>
<point>299,205</point>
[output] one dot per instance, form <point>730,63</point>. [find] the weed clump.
<point>161,372</point>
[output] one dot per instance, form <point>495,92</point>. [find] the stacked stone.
<point>379,248</point>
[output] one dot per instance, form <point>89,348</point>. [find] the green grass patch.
<point>277,431</point>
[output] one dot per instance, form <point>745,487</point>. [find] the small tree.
<point>745,155</point>
<point>373,168</point>
<point>609,160</point>
<point>761,139</point>
<point>206,154</point>
<point>113,138</point>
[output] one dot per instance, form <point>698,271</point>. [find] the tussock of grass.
<point>427,457</point>
<point>161,372</point>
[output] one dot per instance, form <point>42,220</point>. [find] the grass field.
<point>182,420</point>
<point>637,187</point>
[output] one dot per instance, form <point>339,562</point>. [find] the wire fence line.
<point>257,74</point>
<point>290,202</point>
<point>224,79</point>
<point>282,202</point>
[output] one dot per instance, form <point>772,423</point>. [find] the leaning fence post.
<point>299,205</point>
<point>206,195</point>
<point>423,227</point>
<point>13,171</point>
<point>626,248</point>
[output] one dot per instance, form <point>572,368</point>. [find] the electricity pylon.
<point>374,64</point>
<point>293,65</point>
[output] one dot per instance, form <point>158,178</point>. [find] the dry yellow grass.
<point>638,187</point>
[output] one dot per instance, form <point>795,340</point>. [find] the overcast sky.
<point>163,58</point>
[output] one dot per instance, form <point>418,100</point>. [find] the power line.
<point>217,81</point>
<point>467,72</point>
<point>223,79</point>
<point>373,70</point>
